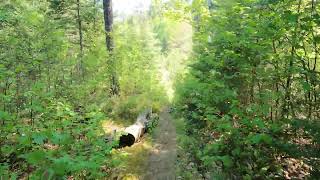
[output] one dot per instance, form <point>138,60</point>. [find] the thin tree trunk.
<point>94,14</point>
<point>80,39</point>
<point>108,23</point>
<point>315,46</point>
<point>276,66</point>
<point>18,81</point>
<point>6,88</point>
<point>287,99</point>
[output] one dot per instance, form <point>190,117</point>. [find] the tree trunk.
<point>94,14</point>
<point>80,65</point>
<point>108,22</point>
<point>135,131</point>
<point>288,105</point>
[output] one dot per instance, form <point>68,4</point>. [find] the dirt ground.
<point>153,158</point>
<point>162,157</point>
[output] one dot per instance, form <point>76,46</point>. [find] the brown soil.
<point>153,158</point>
<point>162,157</point>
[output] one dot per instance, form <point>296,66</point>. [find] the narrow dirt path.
<point>161,161</point>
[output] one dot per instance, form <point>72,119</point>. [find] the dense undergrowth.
<point>55,87</point>
<point>251,98</point>
<point>247,105</point>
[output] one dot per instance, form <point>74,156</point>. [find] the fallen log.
<point>134,132</point>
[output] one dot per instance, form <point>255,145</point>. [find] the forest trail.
<point>161,162</point>
<point>153,158</point>
<point>162,157</point>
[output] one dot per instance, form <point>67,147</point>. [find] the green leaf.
<point>39,138</point>
<point>259,123</point>
<point>226,126</point>
<point>261,138</point>
<point>247,177</point>
<point>227,161</point>
<point>306,86</point>
<point>5,116</point>
<point>4,170</point>
<point>62,165</point>
<point>60,138</point>
<point>236,152</point>
<point>36,157</point>
<point>7,150</point>
<point>24,140</point>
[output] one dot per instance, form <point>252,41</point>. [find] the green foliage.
<point>54,94</point>
<point>249,99</point>
<point>255,72</point>
<point>153,123</point>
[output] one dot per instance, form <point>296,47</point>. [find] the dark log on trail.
<point>134,132</point>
